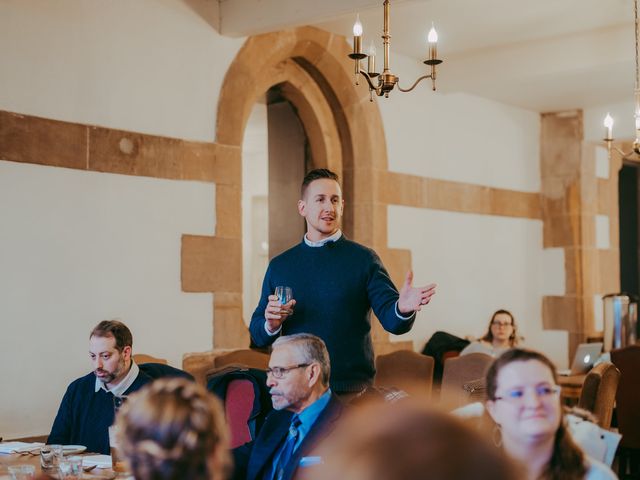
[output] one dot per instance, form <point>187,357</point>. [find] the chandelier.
<point>382,83</point>
<point>608,120</point>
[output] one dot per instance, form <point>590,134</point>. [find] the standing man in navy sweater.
<point>88,406</point>
<point>335,282</point>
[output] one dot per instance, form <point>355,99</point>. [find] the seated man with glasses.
<point>305,411</point>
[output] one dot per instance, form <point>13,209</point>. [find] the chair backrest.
<point>598,393</point>
<point>627,360</point>
<point>406,370</point>
<point>140,358</point>
<point>247,357</point>
<point>246,399</point>
<point>458,372</point>
<point>160,370</point>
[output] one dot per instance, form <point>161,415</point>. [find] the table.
<point>16,458</point>
<point>571,388</point>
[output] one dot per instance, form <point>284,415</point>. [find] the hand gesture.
<point>413,298</point>
<point>276,312</point>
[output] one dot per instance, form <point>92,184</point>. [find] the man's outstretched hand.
<point>413,298</point>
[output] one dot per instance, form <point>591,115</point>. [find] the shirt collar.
<point>310,414</point>
<point>124,385</point>
<point>336,236</point>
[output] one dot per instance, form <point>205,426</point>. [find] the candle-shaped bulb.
<point>432,37</point>
<point>608,123</point>
<point>371,59</point>
<point>357,27</point>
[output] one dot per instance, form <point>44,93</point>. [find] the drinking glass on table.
<point>70,468</point>
<point>285,295</point>
<point>22,472</point>
<point>50,456</point>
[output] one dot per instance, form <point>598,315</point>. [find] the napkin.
<point>100,461</point>
<point>12,447</point>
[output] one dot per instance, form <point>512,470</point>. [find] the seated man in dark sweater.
<point>88,406</point>
<point>335,282</point>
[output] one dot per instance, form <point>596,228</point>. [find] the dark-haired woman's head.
<point>502,329</point>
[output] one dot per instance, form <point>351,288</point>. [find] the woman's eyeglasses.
<point>501,324</point>
<point>543,392</point>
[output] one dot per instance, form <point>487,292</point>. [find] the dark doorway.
<point>628,207</point>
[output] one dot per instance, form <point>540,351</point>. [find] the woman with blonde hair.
<point>524,402</point>
<point>174,429</point>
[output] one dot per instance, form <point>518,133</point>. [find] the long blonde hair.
<point>174,429</point>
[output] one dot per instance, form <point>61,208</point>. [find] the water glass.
<point>117,462</point>
<point>50,456</point>
<point>70,468</point>
<point>22,472</point>
<point>284,294</point>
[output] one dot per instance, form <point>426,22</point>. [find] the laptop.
<point>583,360</point>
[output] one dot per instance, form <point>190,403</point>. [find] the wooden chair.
<point>458,372</point>
<point>598,393</point>
<point>406,370</point>
<point>199,364</point>
<point>627,360</point>
<point>141,358</point>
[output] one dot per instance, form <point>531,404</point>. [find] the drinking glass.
<point>22,472</point>
<point>284,294</point>
<point>117,462</point>
<point>70,468</point>
<point>50,456</point>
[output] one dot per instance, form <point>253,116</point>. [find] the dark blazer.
<point>254,459</point>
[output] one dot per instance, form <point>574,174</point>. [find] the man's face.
<point>109,365</point>
<point>322,207</point>
<point>292,390</point>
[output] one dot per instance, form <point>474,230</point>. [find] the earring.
<point>496,435</point>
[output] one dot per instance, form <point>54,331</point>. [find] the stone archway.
<point>343,127</point>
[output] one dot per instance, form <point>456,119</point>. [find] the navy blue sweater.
<point>335,287</point>
<point>84,416</point>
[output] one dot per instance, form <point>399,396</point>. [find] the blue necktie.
<point>287,449</point>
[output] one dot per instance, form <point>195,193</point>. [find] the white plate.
<point>73,449</point>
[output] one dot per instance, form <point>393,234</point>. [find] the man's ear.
<point>302,208</point>
<point>126,352</point>
<point>314,373</point>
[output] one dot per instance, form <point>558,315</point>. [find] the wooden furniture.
<point>598,393</point>
<point>570,388</point>
<point>140,358</point>
<point>406,370</point>
<point>18,459</point>
<point>198,364</point>
<point>458,372</point>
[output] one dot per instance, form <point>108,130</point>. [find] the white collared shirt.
<point>123,386</point>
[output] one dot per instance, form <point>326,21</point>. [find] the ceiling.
<point>543,55</point>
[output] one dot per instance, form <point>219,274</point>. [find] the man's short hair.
<point>115,329</point>
<point>317,174</point>
<point>312,349</point>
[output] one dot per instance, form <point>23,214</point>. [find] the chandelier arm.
<point>424,77</point>
<point>371,86</point>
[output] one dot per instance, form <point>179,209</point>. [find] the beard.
<point>106,376</point>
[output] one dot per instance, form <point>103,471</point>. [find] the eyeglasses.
<point>501,324</point>
<point>278,372</point>
<point>543,392</point>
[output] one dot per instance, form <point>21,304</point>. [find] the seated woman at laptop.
<point>524,402</point>
<point>501,335</point>
<point>173,429</point>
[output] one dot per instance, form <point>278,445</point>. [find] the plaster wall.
<point>80,247</point>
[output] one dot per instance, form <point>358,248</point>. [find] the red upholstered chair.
<point>237,407</point>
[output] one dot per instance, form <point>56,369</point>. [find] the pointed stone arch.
<point>343,127</point>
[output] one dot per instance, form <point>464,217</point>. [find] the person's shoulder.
<point>355,248</point>
<point>83,384</point>
<point>288,253</point>
<point>597,470</point>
